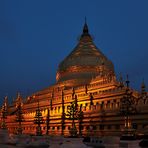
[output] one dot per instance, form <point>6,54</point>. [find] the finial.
<point>6,100</point>
<point>85,28</point>
<point>143,87</point>
<point>127,81</point>
<point>143,92</point>
<point>18,95</point>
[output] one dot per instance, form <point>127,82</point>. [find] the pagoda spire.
<point>143,88</point>
<point>127,81</point>
<point>143,84</point>
<point>85,28</point>
<point>4,113</point>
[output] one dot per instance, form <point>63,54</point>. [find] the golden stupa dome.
<point>85,62</point>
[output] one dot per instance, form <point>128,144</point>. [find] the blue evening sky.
<point>36,35</point>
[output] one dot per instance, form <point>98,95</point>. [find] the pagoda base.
<point>128,134</point>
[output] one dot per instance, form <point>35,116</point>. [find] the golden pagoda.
<point>87,75</point>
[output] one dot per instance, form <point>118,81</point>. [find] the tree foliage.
<point>74,113</point>
<point>128,104</point>
<point>38,118</point>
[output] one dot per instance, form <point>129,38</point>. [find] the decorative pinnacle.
<point>18,94</point>
<point>85,28</point>
<point>143,88</point>
<point>5,100</point>
<point>143,84</point>
<point>127,81</point>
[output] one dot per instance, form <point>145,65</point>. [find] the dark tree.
<point>38,119</point>
<point>91,99</point>
<point>47,121</point>
<point>19,114</point>
<point>63,115</point>
<point>80,119</point>
<point>4,113</point>
<point>127,108</point>
<point>48,118</point>
<point>73,113</point>
<point>143,95</point>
